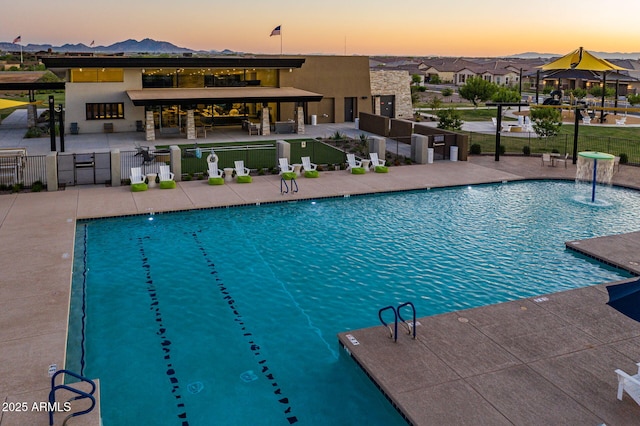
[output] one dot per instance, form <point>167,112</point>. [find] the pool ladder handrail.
<point>393,334</point>
<point>80,395</point>
<point>409,326</point>
<point>283,181</point>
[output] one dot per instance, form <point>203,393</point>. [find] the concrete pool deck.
<point>37,233</point>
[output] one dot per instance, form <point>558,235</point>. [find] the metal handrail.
<point>413,324</point>
<point>81,394</point>
<point>393,333</point>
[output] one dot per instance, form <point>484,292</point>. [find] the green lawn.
<point>256,154</point>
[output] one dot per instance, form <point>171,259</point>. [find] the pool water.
<point>229,316</point>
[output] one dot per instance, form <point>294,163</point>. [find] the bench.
<point>108,127</point>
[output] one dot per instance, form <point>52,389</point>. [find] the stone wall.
<point>396,83</point>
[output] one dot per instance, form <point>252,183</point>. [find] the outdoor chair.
<point>216,176</point>
<point>242,173</point>
<point>546,158</point>
<point>353,164</point>
<point>166,177</point>
<point>564,160</point>
<point>629,384</point>
<point>310,169</point>
<point>285,167</point>
<point>137,180</point>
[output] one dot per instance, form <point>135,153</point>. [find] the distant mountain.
<point>603,55</point>
<point>128,46</point>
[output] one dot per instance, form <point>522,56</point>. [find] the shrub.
<point>37,186</point>
<point>526,150</point>
<point>503,149</point>
<point>475,149</point>
<point>624,158</point>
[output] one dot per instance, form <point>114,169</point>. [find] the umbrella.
<point>581,59</point>
<point>8,103</point>
<point>626,298</point>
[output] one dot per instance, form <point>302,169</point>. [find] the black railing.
<point>561,143</point>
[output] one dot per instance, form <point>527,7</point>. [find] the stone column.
<point>419,148</point>
<point>150,127</point>
<point>116,170</point>
<point>32,115</point>
<point>300,120</point>
<point>378,145</point>
<point>51,164</point>
<point>265,126</point>
<point>283,150</point>
<point>376,105</point>
<point>191,125</point>
<point>175,156</point>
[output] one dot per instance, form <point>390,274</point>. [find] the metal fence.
<point>561,143</point>
<point>23,171</point>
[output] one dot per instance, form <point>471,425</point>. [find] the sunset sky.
<point>372,27</point>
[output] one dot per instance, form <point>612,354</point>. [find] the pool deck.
<point>520,362</point>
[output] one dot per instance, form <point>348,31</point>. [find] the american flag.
<point>276,31</point>
<point>92,43</point>
<point>19,39</point>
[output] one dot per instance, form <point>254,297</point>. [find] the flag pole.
<point>280,41</point>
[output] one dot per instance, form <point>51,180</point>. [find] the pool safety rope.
<point>165,343</point>
<point>83,319</point>
<point>255,348</point>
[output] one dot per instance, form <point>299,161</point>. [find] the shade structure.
<point>8,103</point>
<point>581,59</point>
<point>626,298</point>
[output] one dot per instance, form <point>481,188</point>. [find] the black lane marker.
<point>255,348</point>
<point>165,343</point>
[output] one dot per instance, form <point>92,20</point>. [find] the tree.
<point>597,91</point>
<point>446,92</point>
<point>633,99</point>
<point>416,79</point>
<point>434,103</point>
<point>434,79</point>
<point>449,119</point>
<point>477,89</point>
<point>546,121</point>
<point>505,94</point>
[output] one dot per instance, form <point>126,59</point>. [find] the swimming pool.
<point>230,316</point>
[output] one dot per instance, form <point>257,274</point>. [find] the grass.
<point>263,157</point>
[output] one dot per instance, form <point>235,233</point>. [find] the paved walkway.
<point>37,233</point>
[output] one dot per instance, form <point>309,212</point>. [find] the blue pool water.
<point>229,316</point>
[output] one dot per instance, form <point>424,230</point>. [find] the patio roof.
<point>147,97</point>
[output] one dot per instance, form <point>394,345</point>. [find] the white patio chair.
<point>165,173</point>
<point>284,165</point>
<point>546,158</point>
<point>136,175</point>
<point>214,171</point>
<point>352,163</point>
<point>375,160</point>
<point>307,165</point>
<point>629,384</point>
<point>564,160</point>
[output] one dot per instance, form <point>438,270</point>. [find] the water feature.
<point>587,169</point>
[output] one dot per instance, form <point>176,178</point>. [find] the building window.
<point>97,75</point>
<point>108,111</point>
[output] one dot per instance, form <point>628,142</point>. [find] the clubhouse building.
<point>168,95</point>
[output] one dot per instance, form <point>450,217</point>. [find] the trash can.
<point>429,155</point>
<point>314,120</point>
<point>357,123</point>
<point>453,155</point>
